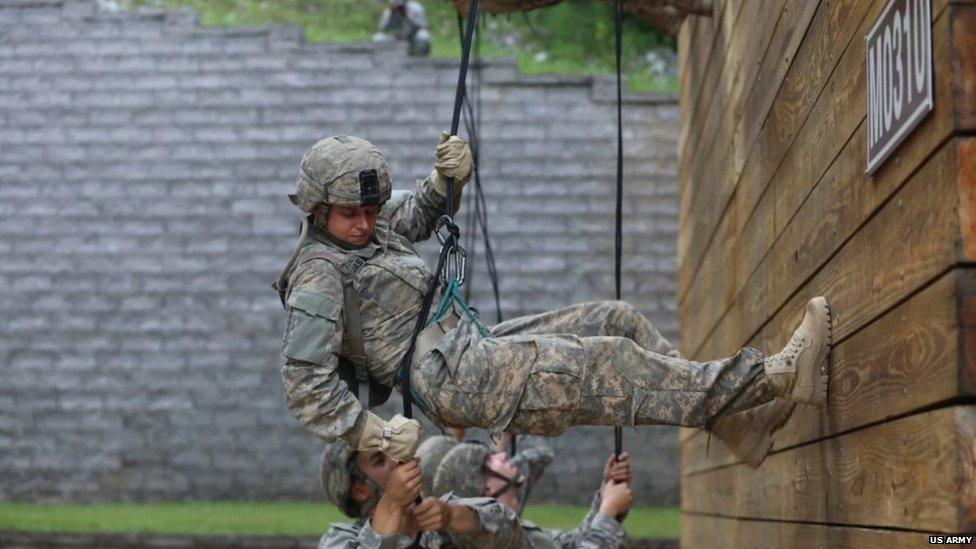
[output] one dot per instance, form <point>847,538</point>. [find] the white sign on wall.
<point>899,75</point>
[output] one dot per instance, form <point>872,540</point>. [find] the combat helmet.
<point>342,170</point>
<point>336,476</point>
<point>431,452</point>
<point>463,471</point>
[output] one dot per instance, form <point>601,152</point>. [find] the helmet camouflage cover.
<point>342,170</point>
<point>336,476</point>
<point>462,471</point>
<point>431,452</point>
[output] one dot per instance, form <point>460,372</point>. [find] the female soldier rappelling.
<point>353,290</point>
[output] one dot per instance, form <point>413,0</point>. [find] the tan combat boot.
<point>749,433</point>
<point>799,371</point>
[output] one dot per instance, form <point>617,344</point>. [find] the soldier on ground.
<point>353,290</point>
<point>405,20</point>
<point>379,492</point>
<point>470,470</point>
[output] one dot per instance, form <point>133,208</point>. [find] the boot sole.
<point>811,386</point>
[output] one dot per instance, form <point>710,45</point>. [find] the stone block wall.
<point>144,163</point>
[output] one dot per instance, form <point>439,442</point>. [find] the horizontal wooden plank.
<point>759,66</point>
<point>915,472</point>
<point>707,531</point>
<point>771,153</point>
<point>905,361</point>
<point>841,201</point>
<point>695,112</point>
<point>911,242</point>
<point>777,105</point>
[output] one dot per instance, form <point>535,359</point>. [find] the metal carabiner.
<point>456,265</point>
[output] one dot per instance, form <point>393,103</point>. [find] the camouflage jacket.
<point>497,527</point>
<point>391,280</point>
<point>596,531</point>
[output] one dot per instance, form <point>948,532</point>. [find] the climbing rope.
<point>618,24</point>
<point>447,231</point>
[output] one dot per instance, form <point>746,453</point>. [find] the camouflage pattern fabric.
<point>497,527</point>
<point>599,363</point>
<point>595,531</point>
<point>431,452</point>
<point>462,472</point>
<point>330,173</point>
<point>391,284</point>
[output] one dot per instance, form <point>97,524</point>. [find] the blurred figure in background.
<point>405,20</point>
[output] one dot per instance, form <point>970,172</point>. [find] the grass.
<point>305,519</point>
<point>574,37</point>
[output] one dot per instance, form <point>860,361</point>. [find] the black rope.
<point>447,245</point>
<point>454,233</point>
<point>618,22</point>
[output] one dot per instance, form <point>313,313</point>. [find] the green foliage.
<point>573,37</point>
<point>263,518</point>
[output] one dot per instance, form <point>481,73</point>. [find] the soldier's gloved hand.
<point>397,438</point>
<point>452,159</point>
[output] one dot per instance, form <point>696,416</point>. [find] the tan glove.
<point>397,438</point>
<point>452,159</point>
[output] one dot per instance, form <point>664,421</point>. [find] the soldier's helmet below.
<point>336,476</point>
<point>431,452</point>
<point>342,170</point>
<point>462,471</point>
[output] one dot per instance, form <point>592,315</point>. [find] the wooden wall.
<point>776,208</point>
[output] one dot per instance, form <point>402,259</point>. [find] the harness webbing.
<point>618,24</point>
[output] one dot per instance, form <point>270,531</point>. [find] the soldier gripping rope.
<point>471,470</point>
<point>379,492</point>
<point>353,288</point>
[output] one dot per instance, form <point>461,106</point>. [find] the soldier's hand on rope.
<point>452,159</point>
<point>432,514</point>
<point>404,484</point>
<point>616,499</point>
<point>617,469</point>
<point>397,438</point>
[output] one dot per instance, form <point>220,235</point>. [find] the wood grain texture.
<point>914,472</point>
<point>843,196</point>
<point>762,63</point>
<point>699,531</point>
<point>906,360</point>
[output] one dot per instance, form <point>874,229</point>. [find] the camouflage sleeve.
<point>595,530</point>
<point>498,526</point>
<point>594,507</point>
<point>340,536</point>
<point>314,393</point>
<point>369,539</point>
<point>414,214</point>
<point>603,531</point>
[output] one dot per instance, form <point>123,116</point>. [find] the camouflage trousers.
<point>598,363</point>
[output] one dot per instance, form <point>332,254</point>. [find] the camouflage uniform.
<point>596,531</point>
<point>410,24</point>
<point>497,527</point>
<point>599,363</point>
